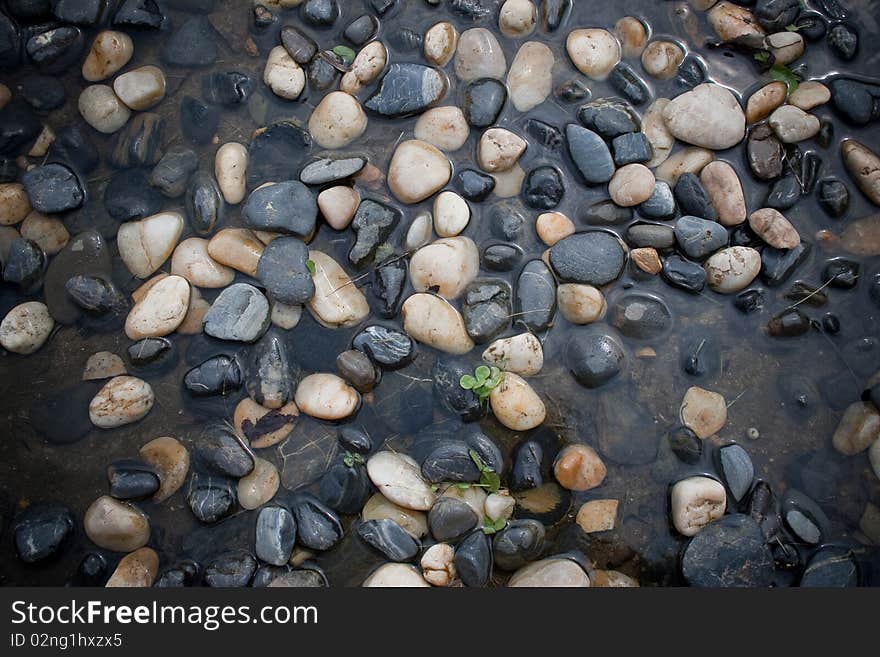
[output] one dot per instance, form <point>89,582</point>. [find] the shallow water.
<point>761,377</point>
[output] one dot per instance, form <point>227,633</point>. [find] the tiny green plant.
<point>483,381</point>
<point>762,56</point>
<point>489,479</point>
<point>782,73</point>
<point>346,53</point>
<point>310,265</point>
<point>493,526</point>
<point>351,459</point>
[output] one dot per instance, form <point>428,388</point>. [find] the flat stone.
<point>593,258</point>
<point>240,313</point>
<point>407,89</point>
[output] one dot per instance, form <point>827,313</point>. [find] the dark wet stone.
<point>78,12</point>
<point>553,13</point>
<point>91,571</point>
<point>192,44</point>
<point>486,309</point>
<point>389,538</point>
<point>62,416</point>
<point>777,265</point>
<point>641,316</point>
<point>283,270</point>
<point>658,236</point>
<point>543,188</point>
<point>221,451</point>
<point>450,519</point>
<point>841,273</point>
<point>573,91</point>
<point>535,299</point>
<point>590,154</point>
<point>319,13</point>
<point>345,488</point>
<point>356,367</point>
<point>131,479</point>
<point>10,43</point>
<point>53,188</point>
<point>40,530</point>
<point>149,350</point>
<point>219,375</point>
<point>764,510</point>
<point>628,84</point>
<point>205,206</point>
<point>275,535</point>
<point>327,170</point>
<point>233,569</point>
<point>543,134</point>
<point>389,280</point>
<point>172,173</point>
<point>307,453</point>
<point>405,400</point>
<point>684,274</point>
<point>765,152</point>
<point>446,376</point>
<point>482,102</point>
<point>810,167</point>
<point>323,74</point>
<point>737,470</point>
<point>95,295</point>
<point>29,10</point>
<point>198,121</point>
<point>788,324</point>
<point>857,102</point>
<point>784,193</point>
<point>355,439</point>
<point>473,559</point>
<point>138,143</point>
<point>8,170</point>
<point>317,525</point>
<point>474,185</point>
<point>804,517</point>
<point>775,15</point>
<point>139,13</point>
<point>407,89</point>
<point>692,197</point>
<point>486,449</point>
<point>801,292</point>
<point>833,196</point>
<point>361,29</point>
<point>301,47</point>
<point>507,222</point>
<point>609,117</point>
<point>183,573</point>
<point>18,127</point>
<point>593,357</point>
<point>528,466</point>
<point>387,347</point>
<point>373,223</point>
<point>450,461</point>
<point>630,148</point>
<point>517,544</point>
<point>831,323</point>
<point>405,39</point>
<point>692,71</point>
<point>228,88</point>
<point>729,552</point>
<point>701,356</point>
<point>55,49</point>
<point>501,257</point>
<point>24,264</point>
<point>271,374</point>
<point>592,258</point>
<point>831,566</point>
<point>843,41</point>
<point>285,207</point>
<point>210,497</point>
<point>700,238</point>
<point>812,25</point>
<point>686,445</point>
<point>129,196</point>
<point>382,7</point>
<point>42,92</point>
<point>85,254</point>
<point>607,212</point>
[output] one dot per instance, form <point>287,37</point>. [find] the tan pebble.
<point>554,226</point>
<point>578,467</point>
<point>171,461</point>
<point>647,259</point>
<point>103,365</point>
<point>597,516</point>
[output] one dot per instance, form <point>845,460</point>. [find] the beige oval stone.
<point>709,116</point>
<point>286,316</point>
<point>337,121</point>
<point>687,160</point>
<point>414,523</point>
<point>724,188</point>
<point>43,142</point>
<point>696,501</point>
<point>765,100</point>
<point>417,171</point>
<point>772,227</point>
<point>508,184</point>
<point>433,321</point>
<point>192,261</point>
<point>338,205</point>
<point>580,304</point>
<point>365,68</point>
<point>702,411</point>
<point>440,42</point>
<point>859,428</point>
<point>633,36</point>
<point>144,245</point>
<point>521,354</point>
<point>230,169</point>
<point>661,59</point>
<point>103,365</point>
<point>238,248</point>
<point>264,427</point>
<point>550,573</point>
<point>26,328</point>
<point>516,405</point>
<point>863,165</point>
<point>530,79</point>
<point>443,127</point>
<point>451,214</point>
<point>194,320</point>
<point>102,109</point>
<point>259,485</point>
<point>110,51</point>
<point>283,75</point>
<point>553,227</point>
<point>785,46</point>
<point>122,400</point>
<point>578,467</point>
<point>809,95</point>
<point>597,516</point>
<point>647,259</point>
<point>792,125</point>
<point>161,310</point>
<point>732,22</point>
<point>438,564</point>
<point>399,478</point>
<point>517,18</point>
<point>732,270</point>
<point>135,570</point>
<point>326,397</point>
<point>15,204</point>
<point>337,302</point>
<point>117,526</point>
<point>141,88</point>
<point>654,128</point>
<point>479,55</point>
<point>499,149</point>
<point>594,52</point>
<point>48,232</point>
<point>420,231</point>
<point>395,575</point>
<point>631,185</point>
<point>448,265</point>
<point>170,459</point>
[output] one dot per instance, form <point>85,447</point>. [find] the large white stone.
<point>709,116</point>
<point>399,478</point>
<point>144,245</point>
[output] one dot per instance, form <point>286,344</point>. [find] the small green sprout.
<point>489,479</point>
<point>493,526</point>
<point>346,53</point>
<point>351,459</point>
<point>483,381</point>
<point>784,74</point>
<point>762,56</point>
<point>310,265</point>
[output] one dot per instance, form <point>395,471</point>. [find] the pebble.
<point>810,95</point>
<point>417,171</point>
<point>140,88</point>
<point>101,108</point>
<point>283,270</point>
<point>440,42</point>
<point>516,405</point>
<point>286,207</point>
<point>53,188</point>
<point>482,102</point>
<point>172,173</point>
<point>230,570</point>
<point>437,564</point>
<point>785,47</point>
<point>407,89</point>
<point>26,328</point>
<point>328,170</point>
<point>443,127</point>
<point>590,154</point>
<point>479,55</point>
<point>499,150</point>
<point>702,411</point>
<point>336,302</point>
<point>414,522</point>
<point>631,33</point>
<point>192,261</point>
<point>594,52</point>
<point>699,238</point>
<point>103,365</point>
<point>338,205</point>
<point>435,322</point>
<point>597,516</point>
<point>725,192</point>
<point>283,75</point>
<point>631,148</point>
<point>592,258</point>
<point>14,204</point>
<point>536,296</point>
<point>326,397</point>
<point>123,400</point>
<point>199,122</point>
<point>517,18</point>
<point>110,52</point>
<point>772,227</point>
<point>170,459</point>
<point>578,467</point>
<point>135,570</point>
<point>447,265</point>
<point>530,78</point>
<point>730,552</point>
<point>264,427</point>
<point>687,160</point>
<point>396,575</point>
<point>734,23</point>
<point>654,128</point>
<point>737,469</point>
<point>594,358</point>
<point>240,313</point>
<point>550,573</point>
<point>858,429</point>
<point>733,269</point>
<point>275,535</point>
<point>237,248</point>
<point>286,316</point>
<point>661,59</point>
<point>337,121</point>
<point>709,117</point>
<point>765,100</point>
<point>160,311</point>
<point>192,44</point>
<point>259,485</point>
<point>399,479</point>
<point>389,538</point>
<point>521,354</point>
<point>647,260</point>
<point>553,227</point>
<point>230,169</point>
<point>863,166</point>
<point>696,502</point>
<point>116,526</point>
<point>793,125</point>
<point>41,530</point>
<point>631,185</point>
<point>580,304</point>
